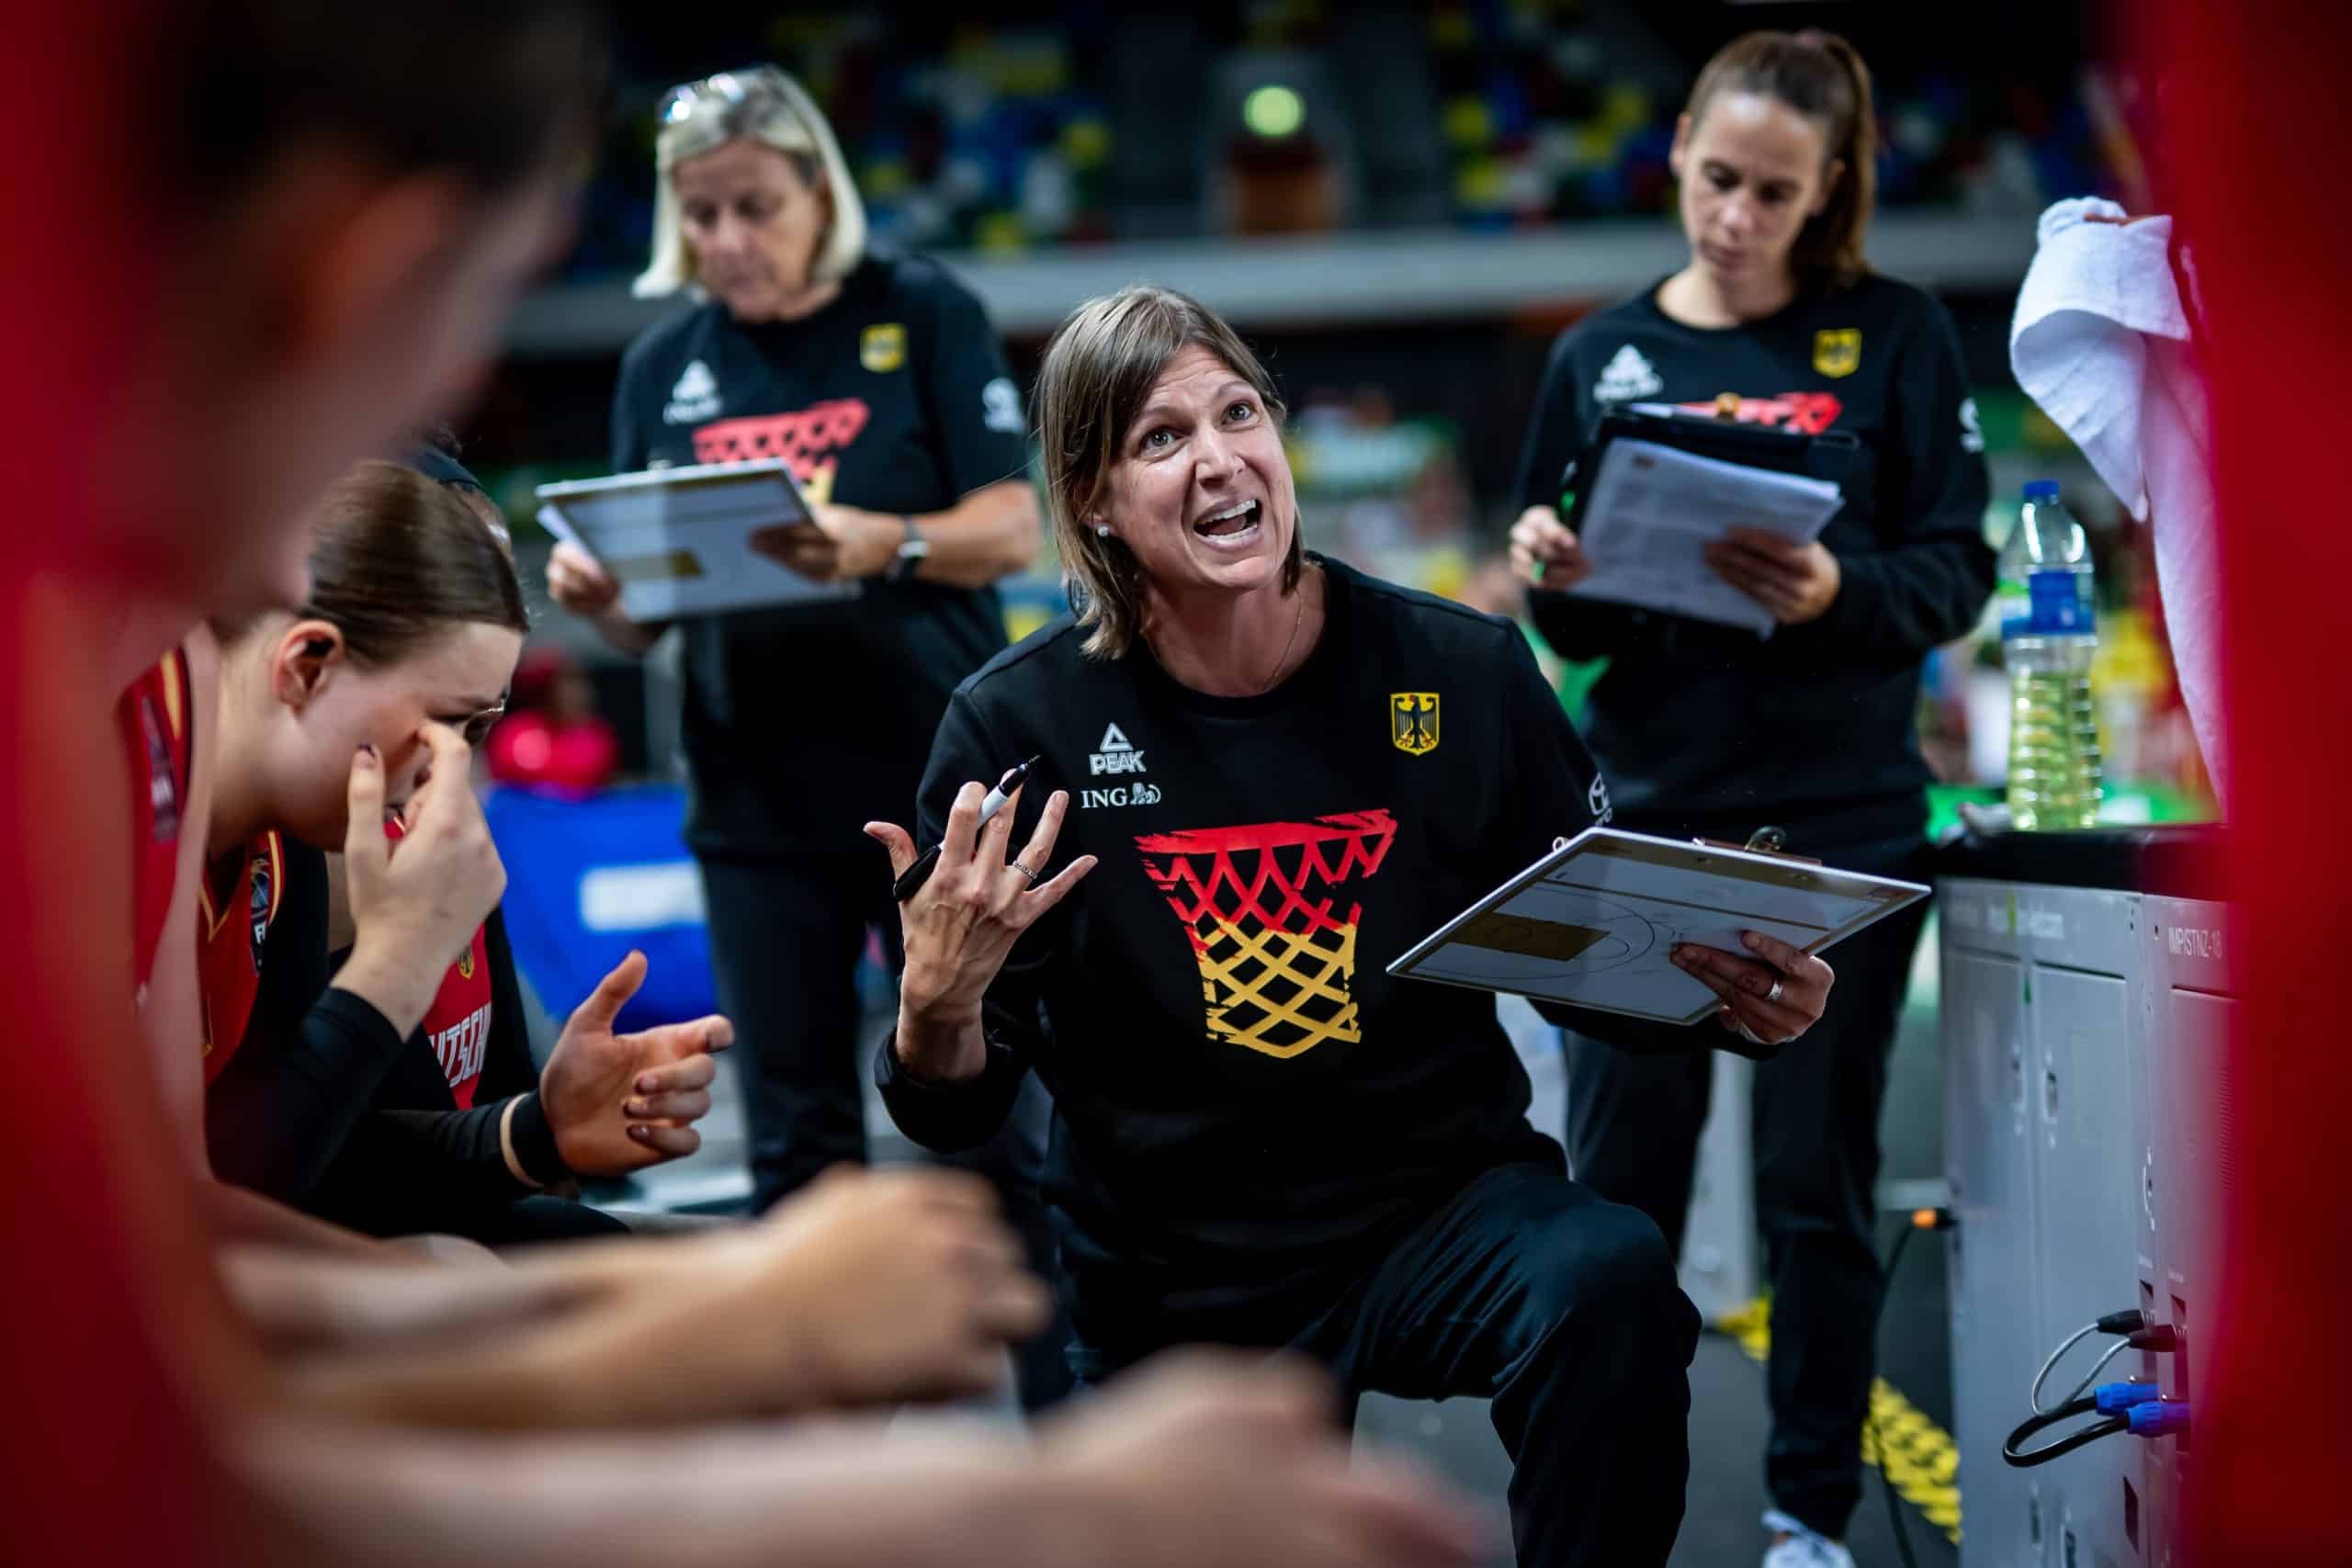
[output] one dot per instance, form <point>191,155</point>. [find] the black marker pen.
<point>910,880</point>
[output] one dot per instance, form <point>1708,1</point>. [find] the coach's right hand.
<point>962,924</point>
<point>1545,552</point>
<point>416,902</point>
<point>578,583</point>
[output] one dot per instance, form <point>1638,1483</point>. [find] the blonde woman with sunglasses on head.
<point>878,377</point>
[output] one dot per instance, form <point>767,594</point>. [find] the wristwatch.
<point>912,551</point>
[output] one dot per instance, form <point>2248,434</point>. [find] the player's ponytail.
<point>397,558</point>
<point>1821,77</point>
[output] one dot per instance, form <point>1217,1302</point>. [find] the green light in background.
<point>1273,112</point>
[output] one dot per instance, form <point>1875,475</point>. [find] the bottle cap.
<point>2042,490</point>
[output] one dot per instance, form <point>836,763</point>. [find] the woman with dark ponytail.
<point>1811,729</point>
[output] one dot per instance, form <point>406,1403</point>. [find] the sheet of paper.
<point>1653,511</point>
<point>680,543</point>
<point>1593,925</point>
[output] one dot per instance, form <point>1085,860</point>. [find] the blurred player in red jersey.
<point>2252,106</point>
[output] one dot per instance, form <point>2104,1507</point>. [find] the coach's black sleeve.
<point>968,392</point>
<point>951,1116</point>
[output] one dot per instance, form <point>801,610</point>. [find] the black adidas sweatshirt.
<point>1703,727</point>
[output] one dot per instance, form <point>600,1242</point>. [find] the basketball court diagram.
<point>1595,923</point>
<point>1582,932</point>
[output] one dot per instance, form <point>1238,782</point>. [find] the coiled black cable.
<point>2025,1459</point>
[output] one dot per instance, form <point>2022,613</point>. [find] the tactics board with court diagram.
<point>1594,923</point>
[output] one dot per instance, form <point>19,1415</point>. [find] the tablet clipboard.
<point>679,540</point>
<point>1592,923</point>
<point>1825,456</point>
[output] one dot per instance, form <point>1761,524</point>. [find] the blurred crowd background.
<point>1401,204</point>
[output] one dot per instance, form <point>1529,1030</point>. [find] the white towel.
<point>2101,342</point>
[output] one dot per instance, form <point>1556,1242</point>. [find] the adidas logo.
<point>1627,375</point>
<point>1113,754</point>
<point>695,397</point>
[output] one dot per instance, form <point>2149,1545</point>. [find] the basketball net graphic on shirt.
<point>807,440</point>
<point>1807,414</point>
<point>1277,956</point>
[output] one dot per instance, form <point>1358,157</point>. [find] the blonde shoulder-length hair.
<point>1101,366</point>
<point>772,108</point>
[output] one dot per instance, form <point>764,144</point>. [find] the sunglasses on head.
<point>729,88</point>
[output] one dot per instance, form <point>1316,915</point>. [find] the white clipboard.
<point>679,540</point>
<point>1593,923</point>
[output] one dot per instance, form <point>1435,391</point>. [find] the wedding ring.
<point>1774,994</point>
<point>1032,878</point>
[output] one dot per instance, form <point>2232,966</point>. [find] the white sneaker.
<point>1801,1548</point>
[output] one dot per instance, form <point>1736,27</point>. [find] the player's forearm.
<point>840,1494</point>
<point>655,1356</point>
<point>385,1299</point>
<point>239,1215</point>
<point>386,1296</point>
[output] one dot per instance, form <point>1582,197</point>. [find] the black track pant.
<point>1633,1135</point>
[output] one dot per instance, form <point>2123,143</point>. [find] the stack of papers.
<point>1654,509</point>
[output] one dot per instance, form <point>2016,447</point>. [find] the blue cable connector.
<point>2158,1419</point>
<point>2110,1397</point>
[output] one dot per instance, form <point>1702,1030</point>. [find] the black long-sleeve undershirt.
<point>324,1107</point>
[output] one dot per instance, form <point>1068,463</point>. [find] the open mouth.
<point>1233,522</point>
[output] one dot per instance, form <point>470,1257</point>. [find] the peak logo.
<point>1113,754</point>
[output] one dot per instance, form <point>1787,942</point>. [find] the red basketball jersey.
<point>231,934</point>
<point>457,1024</point>
<point>155,716</point>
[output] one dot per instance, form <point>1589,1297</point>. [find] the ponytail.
<point>1821,77</point>
<point>397,558</point>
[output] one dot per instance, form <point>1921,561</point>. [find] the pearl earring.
<point>1103,529</point>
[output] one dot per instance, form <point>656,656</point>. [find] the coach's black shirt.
<point>1704,727</point>
<point>1246,1102</point>
<point>802,724</point>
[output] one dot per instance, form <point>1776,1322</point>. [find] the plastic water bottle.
<point>2049,632</point>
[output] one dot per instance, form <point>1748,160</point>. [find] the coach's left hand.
<point>839,543</point>
<point>1770,999</point>
<point>621,1103</point>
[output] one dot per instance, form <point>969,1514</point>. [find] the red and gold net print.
<point>808,439</point>
<point>1261,904</point>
